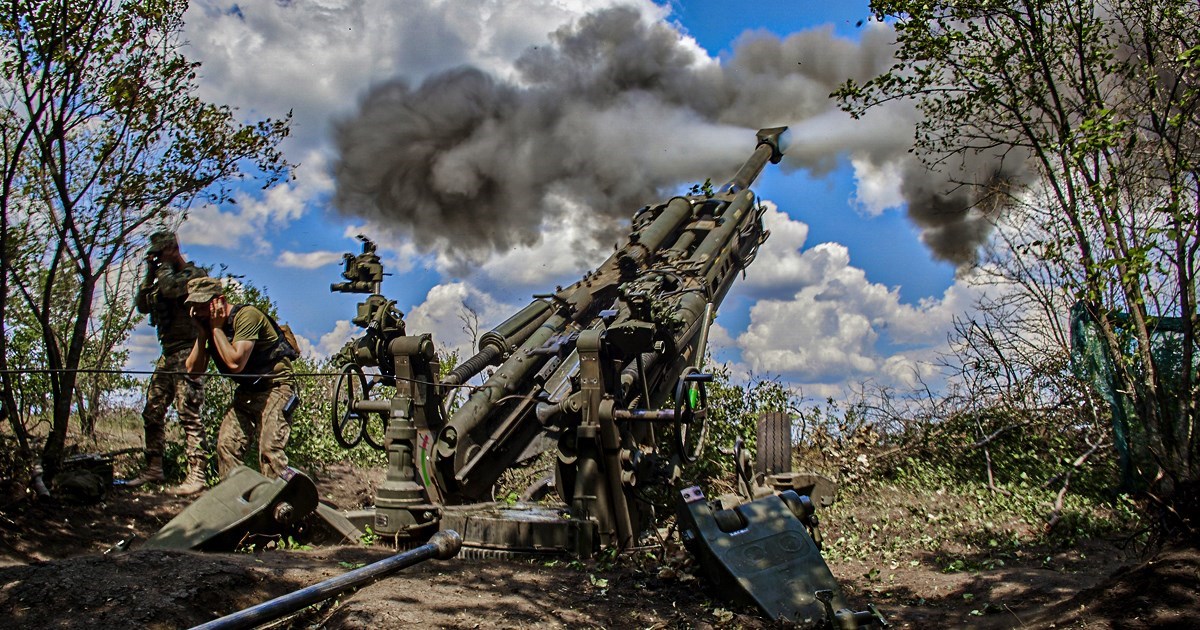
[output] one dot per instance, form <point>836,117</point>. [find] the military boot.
<point>152,474</point>
<point>195,479</point>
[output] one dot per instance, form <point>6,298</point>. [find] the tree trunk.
<point>64,377</point>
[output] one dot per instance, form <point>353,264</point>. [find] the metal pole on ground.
<point>443,545</point>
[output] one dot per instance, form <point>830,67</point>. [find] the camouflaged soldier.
<point>161,296</point>
<point>247,346</point>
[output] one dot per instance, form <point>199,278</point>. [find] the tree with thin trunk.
<point>1099,99</point>
<point>103,137</point>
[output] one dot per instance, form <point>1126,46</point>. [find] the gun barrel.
<point>610,345</point>
<point>677,211</point>
<point>503,382</point>
<point>717,241</point>
<point>770,149</point>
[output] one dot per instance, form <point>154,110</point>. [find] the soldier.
<point>161,296</point>
<point>247,346</point>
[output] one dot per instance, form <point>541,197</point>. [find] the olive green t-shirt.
<point>251,324</point>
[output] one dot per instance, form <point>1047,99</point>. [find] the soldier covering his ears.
<point>247,346</point>
<point>161,296</point>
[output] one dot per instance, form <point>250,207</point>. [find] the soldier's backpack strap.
<point>285,346</point>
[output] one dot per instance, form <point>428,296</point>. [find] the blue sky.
<point>716,24</point>
<point>844,291</point>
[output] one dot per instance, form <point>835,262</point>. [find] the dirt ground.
<point>60,568</point>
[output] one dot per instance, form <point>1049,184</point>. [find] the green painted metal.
<point>1092,362</point>
<point>245,504</point>
<point>520,527</point>
<point>764,552</point>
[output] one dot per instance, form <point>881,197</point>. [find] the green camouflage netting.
<point>1092,362</point>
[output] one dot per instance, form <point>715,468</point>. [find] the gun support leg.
<point>599,448</point>
<point>400,504</point>
<point>585,500</point>
<point>610,440</point>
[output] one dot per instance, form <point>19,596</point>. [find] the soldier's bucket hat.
<point>203,290</point>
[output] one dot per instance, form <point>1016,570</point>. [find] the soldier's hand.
<point>216,314</point>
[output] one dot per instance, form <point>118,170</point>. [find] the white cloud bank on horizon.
<point>818,322</point>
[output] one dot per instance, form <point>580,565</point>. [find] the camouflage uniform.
<point>263,410</point>
<point>266,391</point>
<point>170,385</point>
<point>162,297</point>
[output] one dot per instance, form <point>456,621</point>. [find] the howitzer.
<point>604,372</point>
<point>605,375</point>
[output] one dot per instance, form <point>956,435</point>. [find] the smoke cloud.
<point>616,111</point>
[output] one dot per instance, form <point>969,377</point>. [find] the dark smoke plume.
<point>956,207</point>
<point>616,111</point>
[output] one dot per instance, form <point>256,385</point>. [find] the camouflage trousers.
<point>261,416</point>
<point>169,385</point>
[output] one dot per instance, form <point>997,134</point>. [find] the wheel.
<point>375,424</point>
<point>774,443</point>
<point>729,521</point>
<point>691,410</point>
<point>374,431</point>
<point>348,424</point>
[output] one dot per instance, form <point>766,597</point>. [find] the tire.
<point>539,489</point>
<point>774,444</point>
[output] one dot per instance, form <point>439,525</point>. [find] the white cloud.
<point>313,57</point>
<point>821,323</point>
<point>809,339</point>
<point>779,266</point>
<point>719,338</point>
<point>444,310</point>
<point>333,340</point>
<point>567,249</point>
<point>307,260</point>
<point>256,214</point>
<point>209,225</point>
<point>447,313</point>
<point>877,187</point>
<point>143,348</point>
<point>307,349</point>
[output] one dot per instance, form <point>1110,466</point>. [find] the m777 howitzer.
<point>606,375</point>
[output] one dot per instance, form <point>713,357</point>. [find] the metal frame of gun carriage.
<point>585,370</point>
